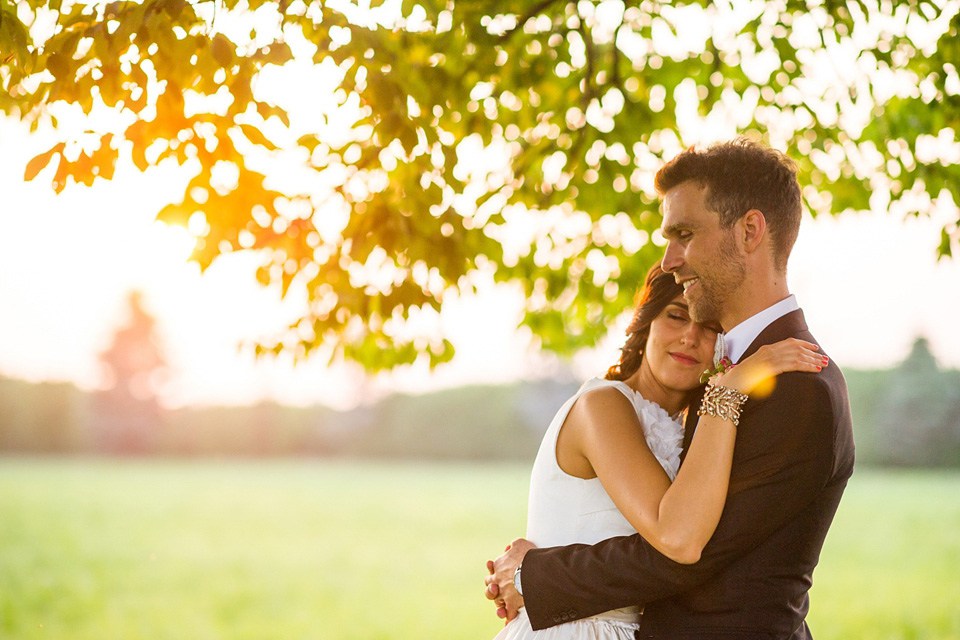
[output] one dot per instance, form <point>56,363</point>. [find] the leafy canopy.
<point>380,157</point>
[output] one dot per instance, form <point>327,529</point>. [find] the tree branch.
<point>589,90</point>
<point>616,79</point>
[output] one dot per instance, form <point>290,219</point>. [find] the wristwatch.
<point>516,581</point>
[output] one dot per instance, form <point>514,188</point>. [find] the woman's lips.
<point>683,359</point>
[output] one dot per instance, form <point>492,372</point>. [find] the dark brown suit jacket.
<point>794,454</point>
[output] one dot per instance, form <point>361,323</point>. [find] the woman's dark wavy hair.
<point>658,291</point>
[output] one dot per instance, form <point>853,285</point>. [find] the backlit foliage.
<point>378,157</point>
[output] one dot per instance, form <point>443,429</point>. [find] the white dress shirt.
<point>739,338</point>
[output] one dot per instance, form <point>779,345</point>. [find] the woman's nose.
<point>691,336</point>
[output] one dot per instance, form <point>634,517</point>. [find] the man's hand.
<point>499,583</point>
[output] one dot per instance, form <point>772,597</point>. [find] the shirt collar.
<point>739,338</point>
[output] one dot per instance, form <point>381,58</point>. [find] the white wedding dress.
<point>564,509</point>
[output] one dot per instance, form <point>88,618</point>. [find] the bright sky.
<point>869,284</point>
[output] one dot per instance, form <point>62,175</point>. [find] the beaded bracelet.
<point>723,403</point>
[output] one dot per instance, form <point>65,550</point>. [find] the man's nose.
<point>672,258</point>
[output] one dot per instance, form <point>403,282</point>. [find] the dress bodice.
<point>564,509</point>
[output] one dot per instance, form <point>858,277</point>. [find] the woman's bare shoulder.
<point>601,402</point>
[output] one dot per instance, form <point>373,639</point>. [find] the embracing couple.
<point>663,508</point>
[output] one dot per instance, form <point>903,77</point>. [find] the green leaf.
<point>222,50</point>
<point>945,250</point>
<point>39,162</point>
<point>58,65</point>
<point>255,136</point>
<point>267,110</point>
<point>279,53</point>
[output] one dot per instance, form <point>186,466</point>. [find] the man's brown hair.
<point>741,175</point>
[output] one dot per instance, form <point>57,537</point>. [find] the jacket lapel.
<point>791,325</point>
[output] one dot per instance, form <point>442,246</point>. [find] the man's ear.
<point>753,227</point>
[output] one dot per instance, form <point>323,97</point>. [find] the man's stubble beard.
<point>719,284</point>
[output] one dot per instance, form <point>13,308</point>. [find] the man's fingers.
<point>499,582</point>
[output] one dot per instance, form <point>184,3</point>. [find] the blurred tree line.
<point>479,422</point>
<point>905,416</point>
<point>908,415</point>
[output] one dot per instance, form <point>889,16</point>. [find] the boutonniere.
<point>724,364</point>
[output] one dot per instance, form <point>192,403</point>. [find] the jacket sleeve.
<point>783,457</point>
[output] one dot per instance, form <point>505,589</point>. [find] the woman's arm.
<point>602,438</point>
<point>604,430</point>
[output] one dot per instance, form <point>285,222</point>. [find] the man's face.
<point>702,256</point>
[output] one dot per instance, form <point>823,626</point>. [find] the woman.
<point>608,463</point>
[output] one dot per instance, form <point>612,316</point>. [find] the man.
<point>731,215</point>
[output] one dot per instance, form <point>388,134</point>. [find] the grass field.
<point>333,550</point>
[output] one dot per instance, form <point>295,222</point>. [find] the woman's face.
<point>678,349</point>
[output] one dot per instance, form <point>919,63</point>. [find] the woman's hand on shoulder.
<point>771,360</point>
